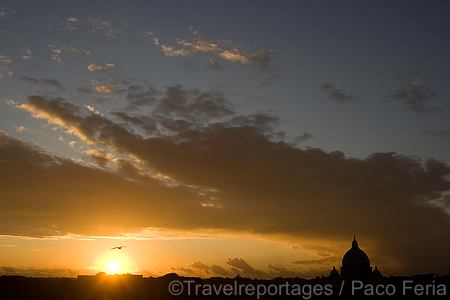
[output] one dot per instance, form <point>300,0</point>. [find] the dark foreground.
<point>172,286</point>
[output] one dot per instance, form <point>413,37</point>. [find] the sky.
<point>216,138</point>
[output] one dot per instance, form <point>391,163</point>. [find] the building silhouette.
<point>356,263</point>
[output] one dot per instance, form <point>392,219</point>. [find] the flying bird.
<point>117,247</point>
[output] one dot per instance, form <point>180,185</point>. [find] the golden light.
<point>115,262</point>
<point>114,267</point>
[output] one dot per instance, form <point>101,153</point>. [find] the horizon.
<point>205,138</point>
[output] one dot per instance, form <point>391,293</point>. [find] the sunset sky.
<point>216,138</point>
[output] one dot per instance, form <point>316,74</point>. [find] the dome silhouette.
<point>376,273</point>
<point>334,274</point>
<point>355,263</point>
<point>355,256</point>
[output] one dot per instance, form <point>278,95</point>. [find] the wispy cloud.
<point>5,59</point>
<point>415,93</point>
<point>106,89</point>
<point>188,48</point>
<point>100,67</point>
<point>69,50</point>
<point>102,26</point>
<point>70,23</point>
<point>52,82</point>
<point>337,95</point>
<point>4,12</point>
<point>28,53</point>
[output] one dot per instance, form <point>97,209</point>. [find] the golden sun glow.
<point>114,267</point>
<point>115,262</point>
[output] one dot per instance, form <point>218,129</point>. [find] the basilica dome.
<point>355,256</point>
<point>355,263</point>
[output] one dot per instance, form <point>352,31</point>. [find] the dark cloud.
<point>85,90</point>
<point>261,58</point>
<point>138,96</point>
<point>53,82</point>
<point>101,157</point>
<point>148,124</point>
<point>268,80</point>
<point>193,105</point>
<point>65,197</point>
<point>220,271</point>
<point>415,93</point>
<point>214,64</point>
<point>336,95</point>
<point>304,137</point>
<point>45,272</point>
<point>245,269</point>
<point>200,265</point>
<point>260,184</point>
<point>8,270</point>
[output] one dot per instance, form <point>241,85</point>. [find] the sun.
<point>117,261</point>
<point>114,267</point>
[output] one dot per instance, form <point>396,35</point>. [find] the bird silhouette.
<point>117,247</point>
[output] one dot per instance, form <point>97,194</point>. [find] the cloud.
<point>73,20</point>
<point>4,59</point>
<point>200,266</point>
<point>138,95</point>
<point>336,95</point>
<point>147,33</point>
<point>85,90</point>
<point>106,89</point>
<point>52,217</point>
<point>103,26</point>
<point>148,124</point>
<point>69,50</point>
<point>261,58</point>
<point>245,268</point>
<point>52,82</point>
<point>214,64</point>
<point>46,272</point>
<point>100,67</point>
<point>415,93</point>
<point>193,148</point>
<point>220,271</point>
<point>268,80</point>
<point>197,44</point>
<point>4,13</point>
<point>70,23</point>
<point>192,105</point>
<point>303,138</point>
<point>28,51</point>
<point>21,129</point>
<point>77,52</point>
<point>101,157</point>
